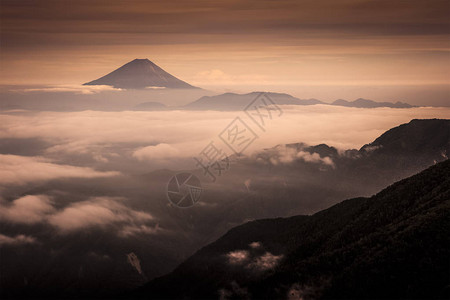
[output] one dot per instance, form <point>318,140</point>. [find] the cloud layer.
<point>16,240</point>
<point>21,170</point>
<point>128,140</point>
<point>96,212</point>
<point>27,210</point>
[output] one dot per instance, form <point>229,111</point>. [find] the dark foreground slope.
<point>391,245</point>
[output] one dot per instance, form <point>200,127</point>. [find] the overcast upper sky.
<point>229,43</point>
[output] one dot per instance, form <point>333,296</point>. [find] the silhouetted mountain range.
<point>391,245</point>
<point>232,101</point>
<point>365,103</point>
<point>141,74</point>
<point>417,136</point>
<point>419,142</point>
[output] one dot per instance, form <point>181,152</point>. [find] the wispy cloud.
<point>96,212</point>
<point>219,77</point>
<point>76,89</point>
<point>238,257</point>
<point>16,240</point>
<point>254,258</point>
<point>265,262</point>
<point>22,169</point>
<point>160,151</point>
<point>184,134</point>
<point>28,209</point>
<point>132,230</point>
<point>282,154</point>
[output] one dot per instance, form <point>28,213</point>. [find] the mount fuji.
<point>141,74</point>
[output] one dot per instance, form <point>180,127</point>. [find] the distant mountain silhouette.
<point>232,101</point>
<point>415,137</point>
<point>365,103</point>
<point>391,245</point>
<point>141,74</point>
<point>424,139</point>
<point>396,154</point>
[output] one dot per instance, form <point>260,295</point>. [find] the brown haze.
<point>327,49</point>
<point>86,170</point>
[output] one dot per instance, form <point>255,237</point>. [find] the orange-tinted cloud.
<point>346,42</point>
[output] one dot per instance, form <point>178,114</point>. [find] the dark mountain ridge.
<point>365,103</point>
<point>391,245</point>
<point>232,101</point>
<point>417,136</point>
<point>400,152</point>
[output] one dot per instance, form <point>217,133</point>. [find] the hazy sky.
<point>230,44</point>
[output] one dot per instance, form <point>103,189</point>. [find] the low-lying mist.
<point>83,190</point>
